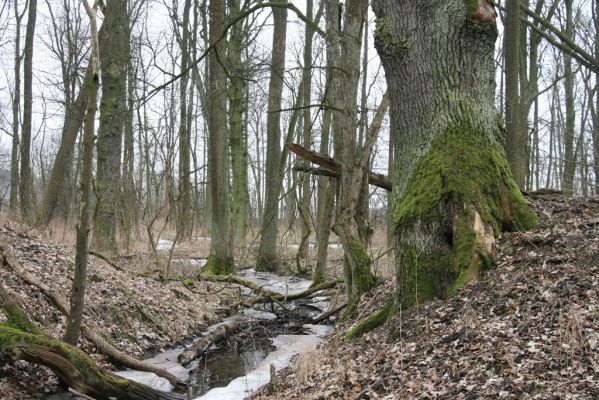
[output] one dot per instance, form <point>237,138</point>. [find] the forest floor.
<point>137,314</point>
<point>528,329</point>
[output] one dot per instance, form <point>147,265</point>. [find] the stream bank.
<point>269,336</point>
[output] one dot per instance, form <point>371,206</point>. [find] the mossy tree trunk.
<point>344,42</point>
<point>112,41</point>
<point>453,190</point>
<point>267,253</point>
<point>221,251</point>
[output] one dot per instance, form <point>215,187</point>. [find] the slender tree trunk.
<point>238,138</point>
<point>326,204</point>
<point>221,251</point>
<point>77,302</point>
<point>596,120</point>
<point>112,40</point>
<point>267,253</point>
<point>515,142</point>
<point>304,180</point>
<point>453,188</point>
<point>90,92</point>
<point>26,176</point>
<point>184,222</point>
<point>64,157</point>
<point>16,107</point>
<point>129,203</point>
<point>569,161</point>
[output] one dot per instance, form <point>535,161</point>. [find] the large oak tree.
<point>453,189</point>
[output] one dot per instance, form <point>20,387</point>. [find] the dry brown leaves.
<point>136,314</point>
<point>528,330</point>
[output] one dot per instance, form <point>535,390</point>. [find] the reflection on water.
<point>222,366</point>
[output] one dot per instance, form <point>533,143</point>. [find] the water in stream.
<point>236,368</point>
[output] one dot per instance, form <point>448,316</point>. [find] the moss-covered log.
<point>20,339</point>
<point>90,333</point>
<point>453,190</point>
<point>73,366</point>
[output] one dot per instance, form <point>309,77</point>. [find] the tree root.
<point>376,319</point>
<point>90,333</point>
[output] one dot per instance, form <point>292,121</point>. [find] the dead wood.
<point>329,163</point>
<point>222,331</point>
<point>328,314</point>
<point>265,295</point>
<point>20,339</point>
<point>90,333</point>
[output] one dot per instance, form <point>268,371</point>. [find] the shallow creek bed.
<point>269,335</point>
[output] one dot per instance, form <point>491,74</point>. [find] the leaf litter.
<point>528,329</point>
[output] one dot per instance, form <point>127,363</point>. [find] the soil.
<point>528,329</point>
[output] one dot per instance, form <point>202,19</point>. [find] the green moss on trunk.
<point>362,279</point>
<point>463,174</point>
<point>218,266</point>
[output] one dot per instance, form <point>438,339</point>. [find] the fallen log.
<point>20,339</point>
<point>90,333</point>
<point>265,295</point>
<point>222,331</point>
<point>328,314</point>
<point>329,163</point>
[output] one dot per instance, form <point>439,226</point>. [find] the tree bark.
<point>453,189</point>
<point>596,119</point>
<point>16,107</point>
<point>267,253</point>
<point>221,252</point>
<point>238,138</point>
<point>184,223</point>
<point>26,175</point>
<point>77,302</point>
<point>305,199</point>
<point>515,141</point>
<point>569,161</point>
<point>72,124</point>
<point>112,41</point>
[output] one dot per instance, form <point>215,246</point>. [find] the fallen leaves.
<point>528,330</point>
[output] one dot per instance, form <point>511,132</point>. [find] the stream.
<point>237,366</point>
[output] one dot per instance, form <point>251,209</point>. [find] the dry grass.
<point>136,254</point>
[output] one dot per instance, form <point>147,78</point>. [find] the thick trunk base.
<point>218,266</point>
<point>460,197</point>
